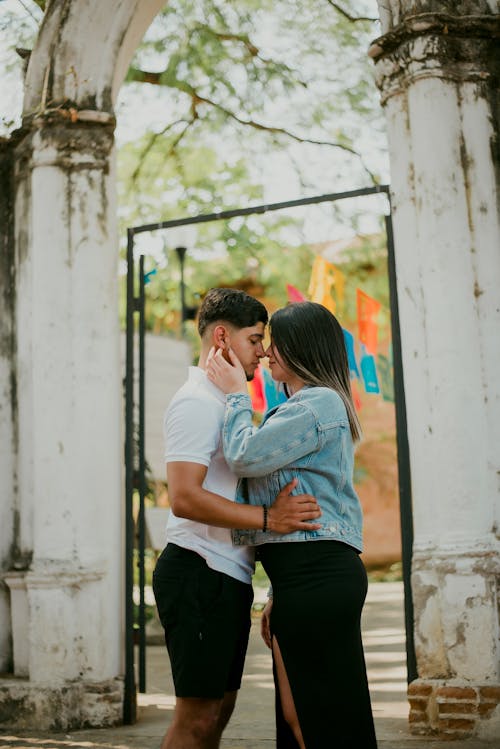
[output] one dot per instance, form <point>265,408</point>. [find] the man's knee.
<point>204,726</point>
<point>200,718</point>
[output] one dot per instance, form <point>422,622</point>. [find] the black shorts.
<point>206,617</point>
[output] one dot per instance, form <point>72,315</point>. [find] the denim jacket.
<point>308,438</point>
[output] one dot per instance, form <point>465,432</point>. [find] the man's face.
<point>247,345</point>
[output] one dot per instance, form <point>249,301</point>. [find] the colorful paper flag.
<point>256,390</point>
<point>369,371</point>
<point>355,396</point>
<point>368,309</point>
<point>325,279</point>
<point>351,355</point>
<point>273,396</point>
<point>294,295</point>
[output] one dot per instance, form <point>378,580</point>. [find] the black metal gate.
<point>135,462</point>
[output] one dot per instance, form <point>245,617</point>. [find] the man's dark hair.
<point>230,306</point>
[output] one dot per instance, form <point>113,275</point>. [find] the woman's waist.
<point>290,566</point>
<point>321,484</point>
<point>335,494</point>
<point>346,533</point>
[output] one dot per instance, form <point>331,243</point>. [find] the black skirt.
<point>319,589</point>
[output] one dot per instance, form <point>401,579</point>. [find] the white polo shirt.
<point>193,433</point>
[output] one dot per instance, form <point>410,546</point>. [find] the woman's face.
<point>279,370</point>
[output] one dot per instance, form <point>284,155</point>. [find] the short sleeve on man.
<point>192,429</point>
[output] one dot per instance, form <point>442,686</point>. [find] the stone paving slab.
<point>252,724</point>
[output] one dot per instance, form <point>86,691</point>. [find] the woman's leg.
<point>321,587</point>
<point>286,696</point>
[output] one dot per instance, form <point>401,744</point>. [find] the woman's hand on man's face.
<point>229,377</point>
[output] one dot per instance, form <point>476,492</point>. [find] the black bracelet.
<point>264,527</point>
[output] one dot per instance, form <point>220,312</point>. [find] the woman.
<point>318,580</point>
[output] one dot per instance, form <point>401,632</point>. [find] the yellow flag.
<point>327,284</point>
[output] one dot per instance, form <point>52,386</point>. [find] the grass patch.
<point>390,573</point>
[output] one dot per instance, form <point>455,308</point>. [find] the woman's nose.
<point>267,352</point>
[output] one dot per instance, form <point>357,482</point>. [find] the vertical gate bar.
<point>142,483</point>
<point>404,472</point>
<point>129,697</point>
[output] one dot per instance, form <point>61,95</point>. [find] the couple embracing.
<point>282,493</point>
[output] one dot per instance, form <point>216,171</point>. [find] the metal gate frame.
<point>135,304</point>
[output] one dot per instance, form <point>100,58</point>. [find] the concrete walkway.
<point>252,725</point>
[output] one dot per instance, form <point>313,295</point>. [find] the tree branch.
<point>253,51</point>
<point>196,99</point>
<point>40,5</point>
<point>287,133</point>
<point>347,15</point>
<point>225,36</point>
<point>154,137</point>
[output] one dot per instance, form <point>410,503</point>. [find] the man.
<point>202,583</point>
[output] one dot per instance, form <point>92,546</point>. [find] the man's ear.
<point>220,337</point>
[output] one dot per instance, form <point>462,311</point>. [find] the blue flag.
<point>272,395</point>
<point>369,371</point>
<point>351,356</point>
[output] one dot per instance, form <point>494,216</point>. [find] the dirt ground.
<point>377,481</point>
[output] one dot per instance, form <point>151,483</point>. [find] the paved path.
<point>252,725</point>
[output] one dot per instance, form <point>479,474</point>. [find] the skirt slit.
<point>319,588</point>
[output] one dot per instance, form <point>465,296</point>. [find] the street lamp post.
<point>181,254</point>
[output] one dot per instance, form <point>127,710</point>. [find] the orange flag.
<point>355,396</point>
<point>327,284</point>
<point>368,309</point>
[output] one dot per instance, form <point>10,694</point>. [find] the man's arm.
<point>189,499</point>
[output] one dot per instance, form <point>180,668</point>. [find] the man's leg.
<point>196,724</point>
<point>199,723</point>
<point>226,710</point>
<point>206,616</point>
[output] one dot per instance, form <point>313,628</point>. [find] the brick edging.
<point>450,710</point>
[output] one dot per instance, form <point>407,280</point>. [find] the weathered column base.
<point>67,707</point>
<point>454,710</point>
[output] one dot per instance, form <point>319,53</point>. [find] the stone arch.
<point>59,361</point>
<point>60,356</point>
<point>64,72</point>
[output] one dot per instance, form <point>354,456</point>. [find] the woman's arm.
<point>289,434</point>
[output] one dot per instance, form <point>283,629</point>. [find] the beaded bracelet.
<point>264,527</point>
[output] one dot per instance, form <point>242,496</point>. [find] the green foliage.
<point>240,82</point>
<point>232,86</point>
<point>175,180</point>
<point>251,249</point>
<point>389,573</point>
<point>262,76</point>
<point>17,35</point>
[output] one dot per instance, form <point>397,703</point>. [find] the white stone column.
<point>69,425</point>
<point>60,377</point>
<point>8,441</point>
<point>437,74</point>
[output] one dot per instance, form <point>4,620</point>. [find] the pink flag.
<point>294,295</point>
